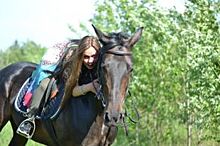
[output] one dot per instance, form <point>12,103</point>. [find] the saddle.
<point>47,106</point>
<point>48,92</point>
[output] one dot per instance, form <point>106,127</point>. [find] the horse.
<point>82,121</point>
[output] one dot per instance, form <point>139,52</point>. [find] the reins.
<point>135,110</point>
<point>126,114</point>
<point>100,94</point>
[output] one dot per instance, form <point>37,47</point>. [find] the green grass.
<point>122,140</point>
<point>6,135</point>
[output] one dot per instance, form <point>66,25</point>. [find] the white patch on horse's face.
<point>103,128</point>
<point>90,57</point>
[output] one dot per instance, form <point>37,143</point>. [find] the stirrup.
<point>27,128</point>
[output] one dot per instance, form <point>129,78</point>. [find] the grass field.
<point>6,135</point>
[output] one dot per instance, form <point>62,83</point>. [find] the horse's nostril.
<point>107,118</point>
<point>121,116</point>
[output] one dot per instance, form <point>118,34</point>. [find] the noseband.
<point>119,53</point>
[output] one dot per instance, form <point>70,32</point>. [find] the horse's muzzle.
<point>112,119</point>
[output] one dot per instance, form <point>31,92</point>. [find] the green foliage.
<point>177,67</point>
<point>28,51</point>
<point>201,38</point>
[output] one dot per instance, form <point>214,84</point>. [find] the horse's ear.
<point>133,40</point>
<point>103,38</point>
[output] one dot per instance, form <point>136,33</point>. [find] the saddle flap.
<point>49,94</point>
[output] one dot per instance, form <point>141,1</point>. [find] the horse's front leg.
<point>17,140</point>
<point>4,111</point>
<point>109,136</point>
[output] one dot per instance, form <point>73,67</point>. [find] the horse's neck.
<point>82,111</point>
<point>97,132</point>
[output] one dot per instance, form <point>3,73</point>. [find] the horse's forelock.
<point>118,38</point>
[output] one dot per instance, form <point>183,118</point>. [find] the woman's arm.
<point>83,89</point>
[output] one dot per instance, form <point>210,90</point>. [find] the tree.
<point>176,74</point>
<point>201,37</point>
<point>157,81</point>
<point>28,51</point>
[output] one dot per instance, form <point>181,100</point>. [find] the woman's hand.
<point>95,86</point>
<point>83,89</point>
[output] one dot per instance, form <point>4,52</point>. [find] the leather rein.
<point>100,94</point>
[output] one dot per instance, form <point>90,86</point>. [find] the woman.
<point>84,77</point>
<point>80,75</point>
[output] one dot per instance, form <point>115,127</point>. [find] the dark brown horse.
<point>82,121</point>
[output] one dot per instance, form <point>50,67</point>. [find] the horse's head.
<point>115,69</point>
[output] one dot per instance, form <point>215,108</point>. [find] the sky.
<point>42,21</point>
<point>46,21</point>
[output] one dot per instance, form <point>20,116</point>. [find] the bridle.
<point>100,94</point>
<point>106,50</point>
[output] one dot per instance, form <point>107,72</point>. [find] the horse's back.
<point>16,67</point>
<point>11,79</point>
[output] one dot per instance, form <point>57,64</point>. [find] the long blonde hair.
<point>74,66</point>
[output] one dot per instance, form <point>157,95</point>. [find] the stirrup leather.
<point>27,128</point>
